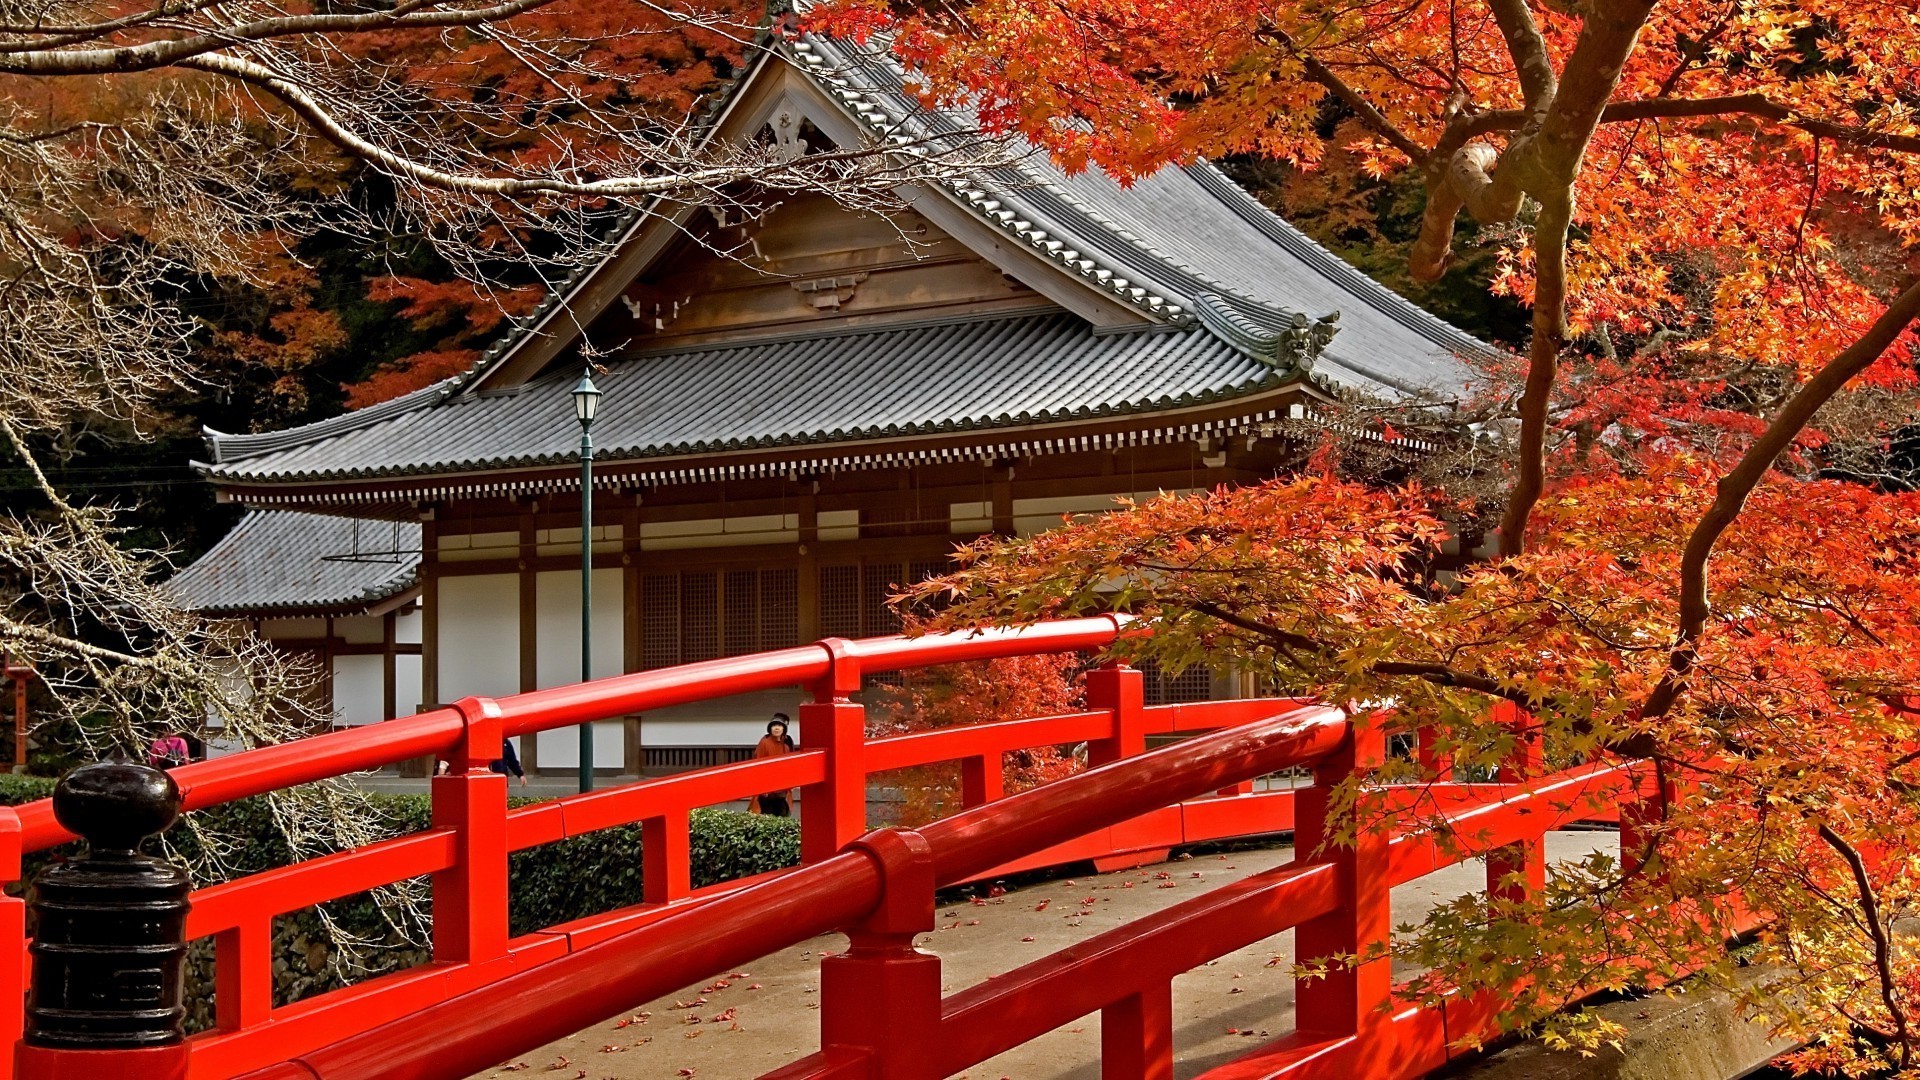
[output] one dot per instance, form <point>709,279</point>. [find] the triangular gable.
<point>672,275</point>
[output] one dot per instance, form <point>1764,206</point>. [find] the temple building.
<point>802,409</point>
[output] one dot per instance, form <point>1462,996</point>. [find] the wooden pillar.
<point>632,626</point>
<point>807,576</point>
<point>529,623</point>
<point>326,670</point>
<point>389,666</point>
<point>1003,499</point>
<point>429,627</point>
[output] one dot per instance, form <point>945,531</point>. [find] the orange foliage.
<point>1770,206</point>
<point>1012,688</point>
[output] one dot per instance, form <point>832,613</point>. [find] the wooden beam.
<point>389,667</point>
<point>529,616</point>
<point>807,575</point>
<point>429,612</point>
<point>632,645</point>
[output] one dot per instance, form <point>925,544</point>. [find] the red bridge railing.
<point>883,1015</point>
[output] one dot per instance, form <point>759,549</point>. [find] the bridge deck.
<point>778,1022</point>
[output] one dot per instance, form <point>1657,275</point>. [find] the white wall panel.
<point>557,626</point>
<point>560,748</point>
<point>406,685</point>
<point>359,689</point>
<point>479,648</point>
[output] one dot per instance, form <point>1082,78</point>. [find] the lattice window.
<point>1193,684</point>
<point>779,608</point>
<point>840,601</point>
<point>660,620</point>
<point>699,616</point>
<point>877,582</point>
<point>742,611</point>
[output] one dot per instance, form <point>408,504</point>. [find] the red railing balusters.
<point>1353,995</point>
<point>243,975</point>
<point>1136,1036</point>
<point>983,779</point>
<point>470,897</point>
<point>882,1014</point>
<point>833,813</point>
<point>1518,871</point>
<point>666,869</point>
<point>1642,808</point>
<point>1435,764</point>
<point>1122,691</point>
<point>13,940</point>
<point>880,1000</point>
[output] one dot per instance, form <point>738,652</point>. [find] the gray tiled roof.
<point>281,560</point>
<point>936,377</point>
<point>1181,233</point>
<point>1160,246</point>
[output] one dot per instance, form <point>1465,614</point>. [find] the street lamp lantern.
<point>586,403</point>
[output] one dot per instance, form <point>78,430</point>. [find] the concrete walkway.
<point>765,1014</point>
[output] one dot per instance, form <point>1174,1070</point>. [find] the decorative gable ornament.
<point>1288,341</point>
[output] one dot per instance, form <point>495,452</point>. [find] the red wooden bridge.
<point>883,1013</point>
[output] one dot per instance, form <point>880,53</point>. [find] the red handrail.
<point>374,746</point>
<point>560,978</point>
<point>620,973</point>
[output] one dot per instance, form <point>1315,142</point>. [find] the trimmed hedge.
<point>551,884</point>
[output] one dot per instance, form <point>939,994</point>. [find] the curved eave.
<point>862,441</point>
<point>561,472</point>
<point>372,602</point>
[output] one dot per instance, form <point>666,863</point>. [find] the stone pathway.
<point>765,1014</point>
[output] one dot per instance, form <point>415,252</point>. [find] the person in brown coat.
<point>773,744</point>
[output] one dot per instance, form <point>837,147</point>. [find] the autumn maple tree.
<point>980,692</point>
<point>1705,561</point>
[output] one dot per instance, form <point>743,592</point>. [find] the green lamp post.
<point>586,403</point>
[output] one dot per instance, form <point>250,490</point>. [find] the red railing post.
<point>666,869</point>
<point>1642,809</point>
<point>1122,691</point>
<point>880,1000</point>
<point>983,779</point>
<point>243,975</point>
<point>833,813</point>
<point>1434,764</point>
<point>1136,1036</point>
<point>470,897</point>
<point>13,940</point>
<point>1518,871</point>
<point>1352,997</point>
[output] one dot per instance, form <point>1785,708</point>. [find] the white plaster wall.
<point>359,689</point>
<point>361,629</point>
<point>1032,516</point>
<point>479,649</point>
<point>733,721</point>
<point>406,685</point>
<point>838,525</point>
<point>560,747</point>
<point>466,547</point>
<point>971,518</point>
<point>718,532</point>
<point>567,541</point>
<point>557,628</point>
<point>406,627</point>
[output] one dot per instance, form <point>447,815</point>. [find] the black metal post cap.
<point>116,804</point>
